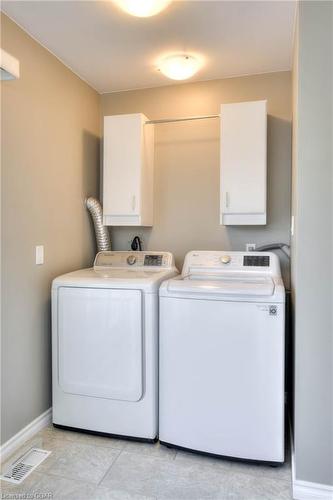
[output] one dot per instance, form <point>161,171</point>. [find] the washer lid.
<point>223,285</point>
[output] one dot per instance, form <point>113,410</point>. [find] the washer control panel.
<point>122,260</point>
<point>256,260</point>
<point>210,262</point>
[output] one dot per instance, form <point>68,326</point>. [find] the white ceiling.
<point>113,51</point>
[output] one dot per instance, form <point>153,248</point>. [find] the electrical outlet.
<point>130,239</point>
<point>250,247</point>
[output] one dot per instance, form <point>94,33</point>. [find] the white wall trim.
<point>305,490</point>
<point>24,434</point>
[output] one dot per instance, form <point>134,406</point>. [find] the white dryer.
<point>222,356</point>
<point>105,344</point>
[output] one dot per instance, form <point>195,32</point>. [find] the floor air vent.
<point>23,466</point>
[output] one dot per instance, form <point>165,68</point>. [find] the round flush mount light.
<point>179,67</point>
<point>142,8</point>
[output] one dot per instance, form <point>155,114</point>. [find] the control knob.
<point>225,259</point>
<point>131,259</point>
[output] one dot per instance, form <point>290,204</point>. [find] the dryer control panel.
<point>121,260</point>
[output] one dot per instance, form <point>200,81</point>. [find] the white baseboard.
<point>304,490</point>
<point>24,434</point>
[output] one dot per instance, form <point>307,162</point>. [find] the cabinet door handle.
<point>133,203</point>
<point>227,199</point>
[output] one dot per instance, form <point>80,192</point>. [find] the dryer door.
<point>100,342</point>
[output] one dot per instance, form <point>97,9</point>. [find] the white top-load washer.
<point>222,356</point>
<point>105,344</point>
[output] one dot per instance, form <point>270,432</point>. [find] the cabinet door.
<point>122,164</point>
<point>243,163</point>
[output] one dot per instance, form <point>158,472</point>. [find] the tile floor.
<point>84,466</point>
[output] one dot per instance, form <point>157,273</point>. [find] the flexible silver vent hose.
<point>102,234</point>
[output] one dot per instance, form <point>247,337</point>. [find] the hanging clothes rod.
<point>184,119</point>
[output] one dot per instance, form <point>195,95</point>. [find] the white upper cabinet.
<point>128,171</point>
<point>243,168</point>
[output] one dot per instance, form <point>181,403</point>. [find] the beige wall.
<point>50,155</point>
<point>187,163</point>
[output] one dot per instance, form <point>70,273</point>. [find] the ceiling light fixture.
<point>179,67</point>
<point>142,8</point>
